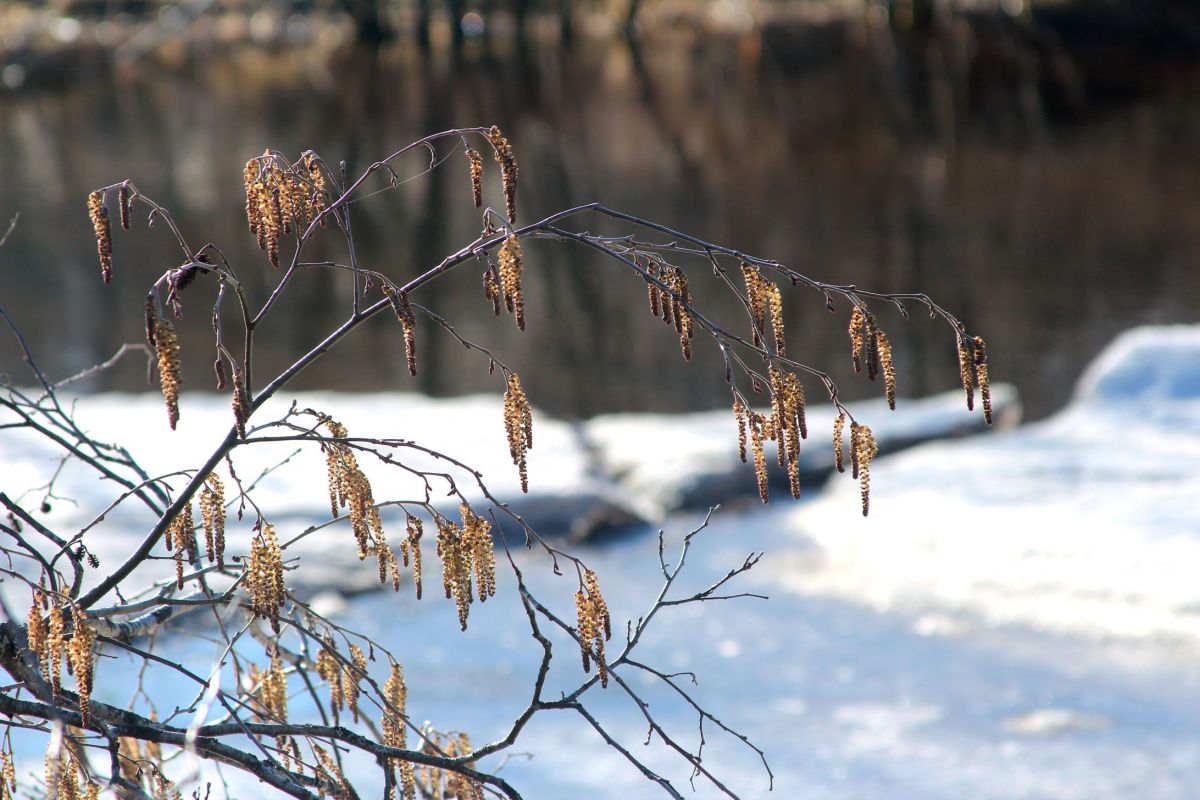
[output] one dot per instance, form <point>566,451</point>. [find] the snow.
<point>1016,619</point>
<point>1084,523</point>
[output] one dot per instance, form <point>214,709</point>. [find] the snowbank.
<point>1085,523</point>
<point>690,461</point>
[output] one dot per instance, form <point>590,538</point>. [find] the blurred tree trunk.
<point>370,26</point>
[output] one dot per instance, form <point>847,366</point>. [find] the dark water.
<point>1046,197</point>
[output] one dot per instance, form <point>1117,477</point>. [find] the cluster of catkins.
<point>279,199</point>
<point>444,784</point>
<point>49,641</point>
<point>349,488</point>
<point>594,625</point>
<point>670,301</point>
<point>468,557</point>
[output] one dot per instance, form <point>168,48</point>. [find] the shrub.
<point>266,716</point>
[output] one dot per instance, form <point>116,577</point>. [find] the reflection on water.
<point>944,165</point>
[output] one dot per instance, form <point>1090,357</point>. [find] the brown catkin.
<point>884,349</point>
<point>594,625</point>
<point>151,316</point>
<point>80,657</point>
<point>456,567</point>
<point>508,171</point>
<point>518,426</point>
<point>757,437</point>
<point>241,402</point>
<point>477,542</point>
<point>317,194</point>
<point>740,413</point>
<point>684,320</point>
<point>330,672</point>
<point>265,579</point>
<point>410,549</point>
<point>871,351</point>
<point>476,175</point>
<point>838,425</point>
<point>395,734</point>
<point>857,330</point>
<point>981,377</point>
<point>408,321</point>
<point>37,624</point>
<point>511,266</point>
<point>53,651</point>
<point>250,178</point>
<point>775,306</point>
<point>98,213</point>
<point>212,512</point>
<point>966,369</point>
<point>491,287</point>
<point>863,449</point>
<point>123,205</point>
<point>166,345</point>
<point>756,297</point>
<point>8,776</point>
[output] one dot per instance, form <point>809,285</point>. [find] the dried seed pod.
<point>981,377</point>
<point>511,266</point>
<point>166,346</point>
<point>98,213</point>
<point>508,171</point>
<point>476,175</point>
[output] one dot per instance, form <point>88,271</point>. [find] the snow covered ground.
<point>1018,618</point>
